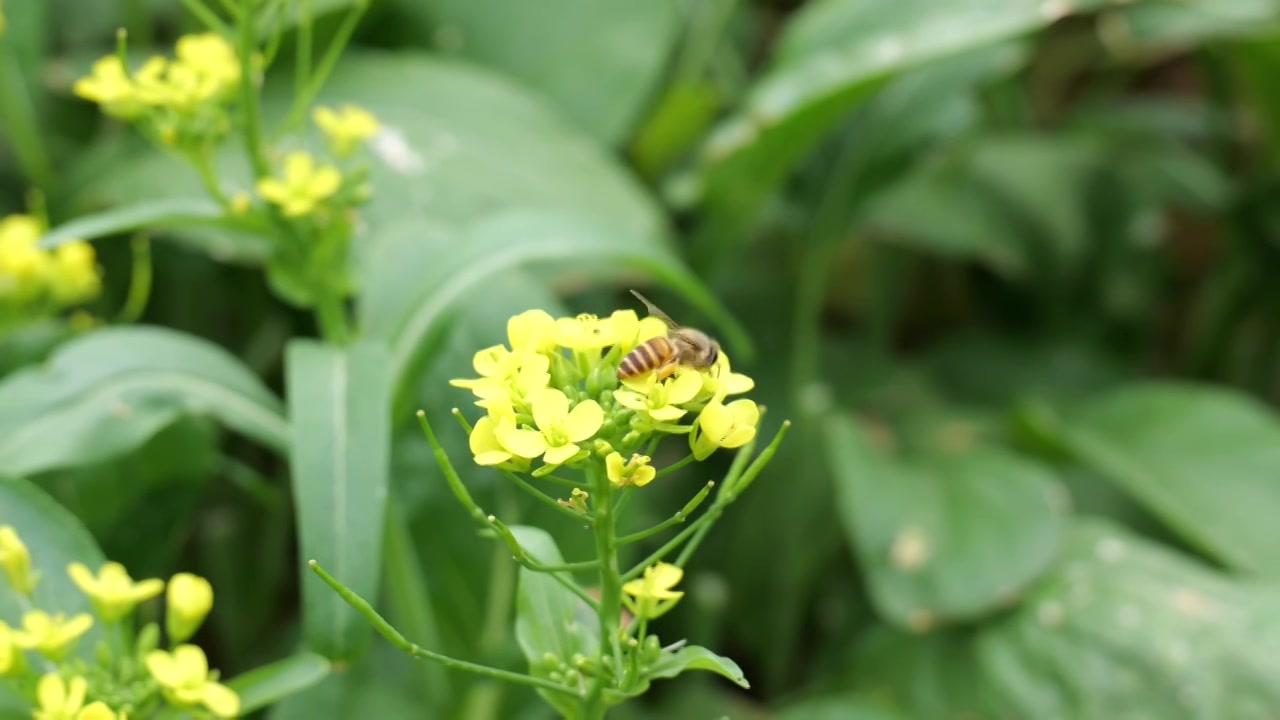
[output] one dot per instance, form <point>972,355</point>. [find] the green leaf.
<point>340,412</point>
<point>600,60</point>
<point>837,707</point>
<point>944,535</point>
<point>1168,26</point>
<point>1128,626</point>
<point>1204,460</point>
<point>697,658</point>
<point>549,618</point>
<point>271,683</point>
<point>108,392</point>
<point>55,538</point>
<point>418,277</point>
<point>937,674</point>
<point>831,56</point>
<point>148,214</point>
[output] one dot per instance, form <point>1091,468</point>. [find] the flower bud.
<point>16,562</point>
<point>190,598</point>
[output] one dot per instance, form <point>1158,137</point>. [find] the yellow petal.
<point>51,692</point>
<point>221,700</point>
<point>272,189</point>
<point>298,167</point>
<point>83,578</point>
<point>490,458</point>
<point>643,475</point>
<point>613,468</point>
<point>664,575</point>
<point>560,454</point>
<point>584,420</point>
<point>164,669</point>
<point>736,383</point>
<point>684,387</point>
<point>630,399</point>
<point>191,659</point>
<point>74,628</point>
<point>525,443</point>
<point>667,413</point>
<point>147,589</point>
<point>97,710</point>
<point>549,407</point>
<point>532,329</point>
<point>325,182</point>
<point>745,412</point>
<point>76,692</point>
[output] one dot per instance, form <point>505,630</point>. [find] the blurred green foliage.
<point>1002,262</point>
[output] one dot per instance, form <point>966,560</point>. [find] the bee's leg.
<point>665,371</point>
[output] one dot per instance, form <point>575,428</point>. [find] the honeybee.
<point>680,346</point>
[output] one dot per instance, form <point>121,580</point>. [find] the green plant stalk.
<point>302,78</point>
<point>323,69</point>
<point>610,608</point>
<point>247,46</point>
<point>207,16</point>
<point>18,115</point>
<point>396,639</point>
<point>139,282</point>
<point>409,598</point>
<point>681,515</point>
<point>331,316</point>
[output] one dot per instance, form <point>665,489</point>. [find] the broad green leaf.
<point>271,683</point>
<point>418,277</point>
<point>551,620</point>
<point>698,658</point>
<point>831,56</point>
<point>943,535</point>
<point>1170,26</point>
<point>1127,627</point>
<point>340,414</point>
<point>1204,460</point>
<point>936,674</point>
<point>31,343</point>
<point>55,538</point>
<point>599,60</point>
<point>850,706</point>
<point>108,392</point>
<point>200,222</point>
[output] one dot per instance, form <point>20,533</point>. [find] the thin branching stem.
<point>680,516</point>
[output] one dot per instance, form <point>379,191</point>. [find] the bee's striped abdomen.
<point>648,355</point>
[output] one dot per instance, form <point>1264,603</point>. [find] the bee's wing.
<point>654,311</point>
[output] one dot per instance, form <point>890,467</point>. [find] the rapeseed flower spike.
<point>113,592</point>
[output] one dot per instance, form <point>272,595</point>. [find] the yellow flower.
<point>190,598</point>
<point>52,635</point>
<point>182,87</point>
<point>508,379</point>
<point>722,381</point>
<point>108,84</point>
<point>651,595</point>
<point>661,398</point>
<point>16,561</point>
<point>113,592</point>
<point>211,57</point>
<point>559,428</point>
<point>637,471</point>
<point>532,330</point>
<point>584,332</point>
<point>346,127</point>
<point>99,710</point>
<point>724,426</point>
<point>73,275</point>
<point>8,650</point>
<point>184,678</point>
<point>60,700</point>
<point>629,330</point>
<point>303,185</point>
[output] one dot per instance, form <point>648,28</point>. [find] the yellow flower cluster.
<point>183,676</point>
<point>204,71</point>
<point>305,184</point>
<point>553,394</point>
<point>35,281</point>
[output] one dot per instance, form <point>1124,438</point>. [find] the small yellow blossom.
<point>51,635</point>
<point>660,399</point>
<point>60,700</point>
<point>722,381</point>
<point>507,379</point>
<point>190,598</point>
<point>629,330</point>
<point>16,561</point>
<point>302,187</point>
<point>73,274</point>
<point>488,450</point>
<point>346,128</point>
<point>636,471</point>
<point>113,592</point>
<point>8,650</point>
<point>559,428</point>
<point>584,332</point>
<point>99,710</point>
<point>724,426</point>
<point>532,330</point>
<point>109,85</point>
<point>651,595</point>
<point>210,56</point>
<point>184,678</point>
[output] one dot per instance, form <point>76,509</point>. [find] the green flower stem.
<point>302,63</point>
<point>395,638</point>
<point>610,610</point>
<point>303,100</point>
<point>207,16</point>
<point>674,466</point>
<point>523,557</point>
<point>247,46</point>
<point>737,485</point>
<point>331,314</point>
<point>450,475</point>
<point>202,161</point>
<point>139,281</point>
<point>680,516</point>
<point>710,516</point>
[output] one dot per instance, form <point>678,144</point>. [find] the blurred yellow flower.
<point>584,332</point>
<point>636,471</point>
<point>51,635</point>
<point>73,274</point>
<point>724,426</point>
<point>559,428</point>
<point>190,598</point>
<point>533,330</point>
<point>722,381</point>
<point>109,85</point>
<point>651,595</point>
<point>303,185</point>
<point>113,592</point>
<point>99,710</point>
<point>629,330</point>
<point>659,399</point>
<point>60,700</point>
<point>8,650</point>
<point>346,128</point>
<point>16,561</point>
<point>184,678</point>
<point>211,57</point>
